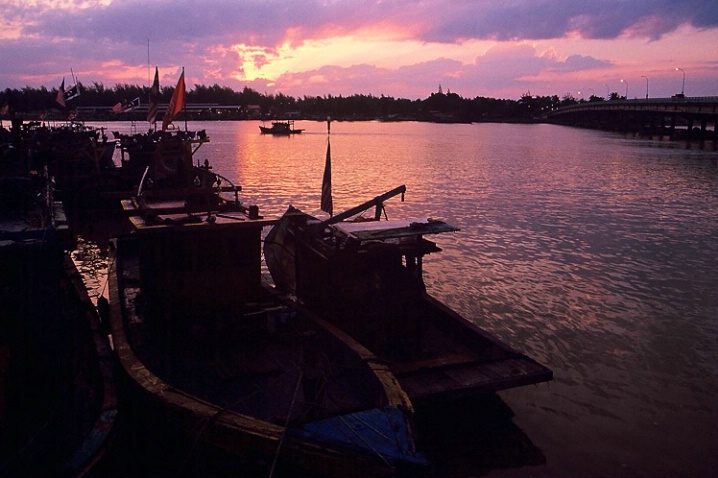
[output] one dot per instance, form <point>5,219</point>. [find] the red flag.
<point>176,103</point>
<point>60,98</point>
<point>326,203</point>
<point>154,99</point>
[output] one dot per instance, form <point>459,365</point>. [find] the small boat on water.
<point>280,128</point>
<point>234,365</point>
<point>57,392</point>
<point>366,278</point>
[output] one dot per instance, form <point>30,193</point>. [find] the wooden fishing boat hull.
<point>57,395</point>
<point>229,363</point>
<point>369,283</point>
<point>58,402</point>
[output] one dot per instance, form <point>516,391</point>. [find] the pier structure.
<point>690,119</point>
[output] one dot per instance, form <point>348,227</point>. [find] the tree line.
<point>439,107</point>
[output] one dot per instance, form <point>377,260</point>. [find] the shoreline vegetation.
<point>130,103</point>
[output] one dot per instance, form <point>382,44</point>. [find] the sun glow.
<point>346,51</point>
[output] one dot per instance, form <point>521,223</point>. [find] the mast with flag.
<point>74,91</point>
<point>326,202</point>
<point>63,96</point>
<point>176,103</point>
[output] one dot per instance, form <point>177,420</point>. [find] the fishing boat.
<point>280,128</point>
<point>75,154</point>
<point>57,392</point>
<point>166,152</point>
<point>234,365</point>
<point>366,277</point>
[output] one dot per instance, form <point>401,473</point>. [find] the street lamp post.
<point>683,87</point>
<point>608,94</point>
<point>642,76</point>
<point>624,81</point>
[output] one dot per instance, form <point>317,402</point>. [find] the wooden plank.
<point>440,362</point>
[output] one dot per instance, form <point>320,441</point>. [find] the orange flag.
<point>176,103</point>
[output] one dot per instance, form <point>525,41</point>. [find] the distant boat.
<point>280,128</point>
<point>366,278</point>
<point>233,364</point>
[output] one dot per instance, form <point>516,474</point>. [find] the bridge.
<point>694,119</point>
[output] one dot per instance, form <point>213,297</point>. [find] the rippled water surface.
<point>593,253</point>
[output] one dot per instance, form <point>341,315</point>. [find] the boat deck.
<point>448,363</point>
<point>232,359</point>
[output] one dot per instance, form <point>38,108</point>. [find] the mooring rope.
<point>286,424</point>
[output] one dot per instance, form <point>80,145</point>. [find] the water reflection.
<point>91,261</point>
<point>594,254</point>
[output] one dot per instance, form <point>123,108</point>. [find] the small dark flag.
<point>72,93</point>
<point>133,104</point>
<point>327,205</point>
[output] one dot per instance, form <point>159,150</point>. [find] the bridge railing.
<point>704,104</point>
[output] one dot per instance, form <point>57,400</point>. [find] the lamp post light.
<point>624,81</point>
<point>642,76</point>
<point>683,87</point>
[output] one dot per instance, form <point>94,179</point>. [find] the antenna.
<point>149,73</point>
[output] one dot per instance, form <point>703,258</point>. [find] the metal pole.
<point>646,85</point>
<point>683,87</point>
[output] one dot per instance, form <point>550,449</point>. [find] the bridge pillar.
<point>689,132</point>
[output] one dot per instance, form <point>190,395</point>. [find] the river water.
<point>594,253</point>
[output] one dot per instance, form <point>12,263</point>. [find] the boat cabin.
<point>373,279</point>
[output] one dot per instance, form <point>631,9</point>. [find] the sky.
<point>396,48</point>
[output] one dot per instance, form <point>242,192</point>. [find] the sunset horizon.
<point>395,49</point>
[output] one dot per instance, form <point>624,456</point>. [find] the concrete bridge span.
<point>693,119</point>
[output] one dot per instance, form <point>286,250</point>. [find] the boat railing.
<point>233,188</point>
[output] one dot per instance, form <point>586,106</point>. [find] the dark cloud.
<point>547,19</point>
<point>268,23</point>
<point>198,35</point>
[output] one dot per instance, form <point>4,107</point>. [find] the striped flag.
<point>154,99</point>
<point>125,106</point>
